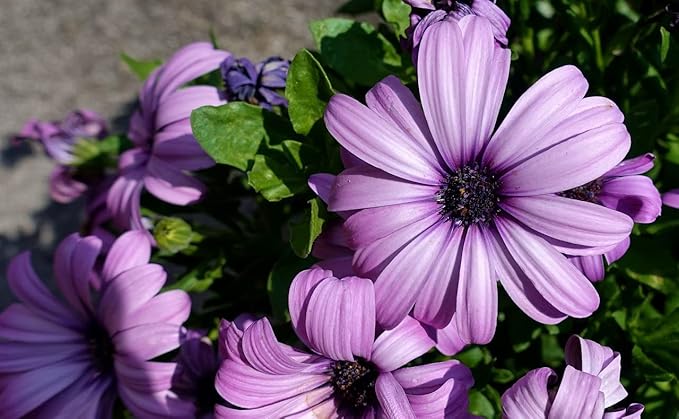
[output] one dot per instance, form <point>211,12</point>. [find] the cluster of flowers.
<point>435,207</point>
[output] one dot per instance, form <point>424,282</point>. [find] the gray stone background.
<point>59,55</point>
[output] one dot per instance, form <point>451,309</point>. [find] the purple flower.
<point>590,384</point>
<point>444,208</point>
<point>622,189</point>
<point>258,85</point>
<point>671,198</point>
<point>164,147</point>
<point>72,357</point>
<point>351,373</point>
<point>427,12</point>
<point>59,139</point>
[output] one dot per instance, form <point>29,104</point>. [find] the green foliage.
<point>308,91</point>
<point>305,230</point>
<point>141,68</point>
<point>397,13</point>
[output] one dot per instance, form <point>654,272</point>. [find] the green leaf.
<point>650,261</point>
<point>397,13</point>
<point>308,91</point>
<point>356,7</point>
<point>231,134</point>
<point>142,69</point>
<point>664,44</point>
<point>200,278</point>
<point>278,174</point>
<point>278,283</point>
<point>648,368</point>
<point>480,405</point>
<point>304,231</point>
<point>355,50</point>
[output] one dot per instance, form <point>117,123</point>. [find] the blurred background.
<point>60,55</point>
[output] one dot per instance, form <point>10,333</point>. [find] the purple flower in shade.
<point>671,198</point>
<point>256,84</point>
<point>427,12</point>
<point>350,374</point>
<point>589,386</point>
<point>59,139</point>
<point>444,208</point>
<point>622,189</point>
<point>164,147</point>
<point>73,357</point>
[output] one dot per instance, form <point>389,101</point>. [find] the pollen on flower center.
<point>588,192</point>
<point>469,195</point>
<point>101,348</point>
<point>354,383</point>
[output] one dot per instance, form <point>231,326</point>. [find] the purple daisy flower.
<point>352,373</point>
<point>164,146</point>
<point>622,189</point>
<point>256,84</point>
<point>445,208</point>
<point>590,385</point>
<point>671,198</point>
<point>74,357</point>
<point>427,12</point>
<point>59,139</point>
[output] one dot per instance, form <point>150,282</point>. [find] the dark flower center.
<point>101,348</point>
<point>588,192</point>
<point>354,383</point>
<point>469,195</point>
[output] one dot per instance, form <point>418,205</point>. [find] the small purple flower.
<point>671,198</point>
<point>427,12</point>
<point>73,357</point>
<point>164,146</point>
<point>352,373</point>
<point>590,385</point>
<point>443,207</point>
<point>59,139</point>
<point>257,85</point>
<point>622,189</point>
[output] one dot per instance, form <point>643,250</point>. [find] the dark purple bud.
<point>256,84</point>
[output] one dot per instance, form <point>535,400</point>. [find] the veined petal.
<point>392,398</point>
<point>428,377</point>
<point>441,73</point>
<point>147,340</point>
<point>172,306</point>
<point>128,251</point>
<point>634,166</point>
<point>592,266</point>
<point>145,375</point>
<point>264,352</point>
<point>377,142</point>
<point>321,184</point>
<point>396,347</point>
<point>542,107</point>
<point>671,198</point>
<point>634,195</point>
<point>179,104</point>
<point>448,340</point>
<point>17,323</point>
<point>556,279</point>
<point>299,294</point>
<point>476,309</point>
<point>529,396</point>
<point>618,251</point>
<point>170,184</point>
<point>578,396</point>
<point>570,220</point>
<point>317,403</point>
<point>73,267</point>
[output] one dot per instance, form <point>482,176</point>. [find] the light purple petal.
<point>554,277</point>
<point>178,105</point>
<point>317,403</point>
<point>635,196</point>
<point>634,166</point>
<point>321,184</point>
<point>397,286</point>
<point>74,261</point>
<point>230,336</point>
<point>436,300</point>
<point>633,411</point>
<point>123,199</point>
<point>340,318</point>
<point>181,149</point>
<point>441,72</point>
<point>248,388</point>
<point>172,306</point>
<point>428,377</point>
<point>299,294</point>
<point>572,163</point>
<point>63,187</point>
<point>377,142</point>
<point>570,220</point>
<point>171,185</point>
<point>88,397</point>
<point>448,340</point>
<point>497,17</point>
<point>367,187</point>
<point>541,108</point>
<point>577,397</point>
<point>144,376</point>
<point>130,250</point>
<point>396,103</point>
<point>264,352</point>
<point>396,347</point>
<point>392,398</point>
<point>17,323</point>
<point>518,286</point>
<point>618,251</point>
<point>161,404</point>
<point>671,198</point>
<point>148,340</point>
<point>592,266</point>
<point>17,357</point>
<point>529,396</point>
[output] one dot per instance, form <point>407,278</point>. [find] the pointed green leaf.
<point>308,91</point>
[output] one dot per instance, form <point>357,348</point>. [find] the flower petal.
<point>317,403</point>
<point>130,250</point>
<point>592,266</point>
<point>340,318</point>
<point>366,187</point>
<point>17,323</point>
<point>172,306</point>
<point>578,396</point>
<point>634,166</point>
<point>570,220</point>
<point>392,398</point>
<point>671,198</point>
<point>396,347</point>
<point>147,340</point>
<point>541,108</point>
<point>529,396</point>
<point>182,149</point>
<point>301,288</point>
<point>179,104</point>
<point>17,357</point>
<point>377,142</point>
<point>618,251</point>
<point>448,340</point>
<point>635,196</point>
<point>263,351</point>
<point>321,184</point>
<point>123,199</point>
<point>428,377</point>
<point>476,309</point>
<point>441,73</point>
<point>171,185</point>
<point>145,376</point>
<point>74,262</point>
<point>568,164</point>
<point>556,279</point>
